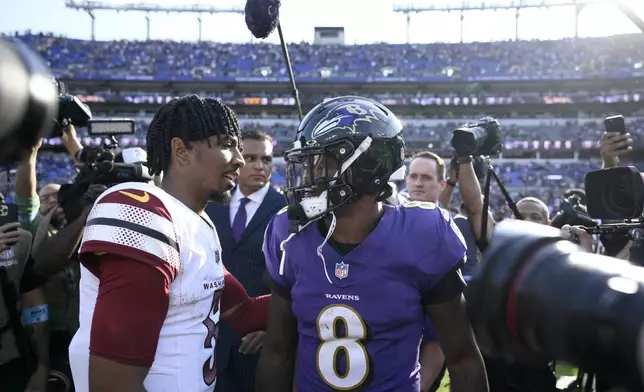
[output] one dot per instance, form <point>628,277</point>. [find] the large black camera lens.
<point>468,138</point>
<point>538,297</point>
<point>28,100</point>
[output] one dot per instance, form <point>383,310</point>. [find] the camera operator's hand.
<point>453,175</point>
<point>69,138</point>
<point>9,238</point>
<point>38,380</point>
<point>58,218</point>
<point>69,133</point>
<point>37,146</point>
<point>613,145</point>
<point>576,233</point>
<point>92,193</point>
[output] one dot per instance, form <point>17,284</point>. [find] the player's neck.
<point>356,221</point>
<point>184,194</point>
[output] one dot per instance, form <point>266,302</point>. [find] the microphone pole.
<point>289,69</point>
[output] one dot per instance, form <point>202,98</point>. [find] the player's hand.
<point>613,145</point>
<point>252,343</point>
<point>9,235</point>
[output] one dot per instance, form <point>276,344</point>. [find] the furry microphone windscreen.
<point>262,17</point>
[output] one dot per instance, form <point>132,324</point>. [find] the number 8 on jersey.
<point>357,368</point>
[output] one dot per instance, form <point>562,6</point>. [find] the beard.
<point>219,197</point>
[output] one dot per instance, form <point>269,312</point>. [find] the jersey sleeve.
<point>429,333</point>
<point>133,224</point>
<point>443,252</point>
<point>273,252</point>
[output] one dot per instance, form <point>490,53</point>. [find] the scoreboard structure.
<point>328,36</point>
<point>89,6</point>
<point>464,6</point>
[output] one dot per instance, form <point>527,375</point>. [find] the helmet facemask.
<point>319,179</point>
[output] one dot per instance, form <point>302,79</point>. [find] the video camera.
<point>70,110</point>
<point>101,165</point>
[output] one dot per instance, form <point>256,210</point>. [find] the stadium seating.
<point>573,134</point>
<point>618,56</point>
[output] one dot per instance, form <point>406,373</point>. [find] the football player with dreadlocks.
<point>351,277</point>
<point>153,286</point>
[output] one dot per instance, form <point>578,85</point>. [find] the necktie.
<point>239,223</point>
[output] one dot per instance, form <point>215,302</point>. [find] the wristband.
<point>466,159</point>
<point>451,183</point>
<point>36,314</point>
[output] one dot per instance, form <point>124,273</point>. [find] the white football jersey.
<point>131,220</point>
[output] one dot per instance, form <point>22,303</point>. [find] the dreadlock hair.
<point>191,119</point>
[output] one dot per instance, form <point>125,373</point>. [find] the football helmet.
<point>345,148</point>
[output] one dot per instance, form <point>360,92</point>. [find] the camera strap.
<point>11,298</point>
<point>486,200</point>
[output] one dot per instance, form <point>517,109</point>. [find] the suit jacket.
<point>245,261</point>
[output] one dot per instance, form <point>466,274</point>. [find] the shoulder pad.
<point>132,222</point>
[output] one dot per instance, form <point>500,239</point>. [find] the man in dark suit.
<point>241,226</point>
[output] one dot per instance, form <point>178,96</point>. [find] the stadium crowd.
<point>386,98</point>
<point>568,58</point>
<point>519,134</point>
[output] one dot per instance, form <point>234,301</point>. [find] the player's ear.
<point>180,151</point>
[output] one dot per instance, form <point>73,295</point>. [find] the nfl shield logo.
<point>341,270</point>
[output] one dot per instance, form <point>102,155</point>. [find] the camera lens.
<point>28,99</point>
<point>539,297</point>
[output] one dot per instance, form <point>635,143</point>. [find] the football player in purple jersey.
<point>352,278</point>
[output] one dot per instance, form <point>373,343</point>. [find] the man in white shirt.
<point>425,182</point>
<point>241,227</point>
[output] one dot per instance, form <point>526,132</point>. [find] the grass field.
<point>562,369</point>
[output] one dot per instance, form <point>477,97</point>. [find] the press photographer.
<point>24,345</point>
<point>99,168</point>
<point>470,142</point>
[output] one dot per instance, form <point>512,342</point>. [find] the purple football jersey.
<point>363,330</point>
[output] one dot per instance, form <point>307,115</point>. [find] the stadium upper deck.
<point>524,78</point>
<point>566,78</point>
<point>617,57</point>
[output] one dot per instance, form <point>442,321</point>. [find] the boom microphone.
<point>262,17</point>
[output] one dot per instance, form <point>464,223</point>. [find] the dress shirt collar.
<point>257,197</point>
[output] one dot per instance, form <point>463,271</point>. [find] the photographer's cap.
<point>134,155</point>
